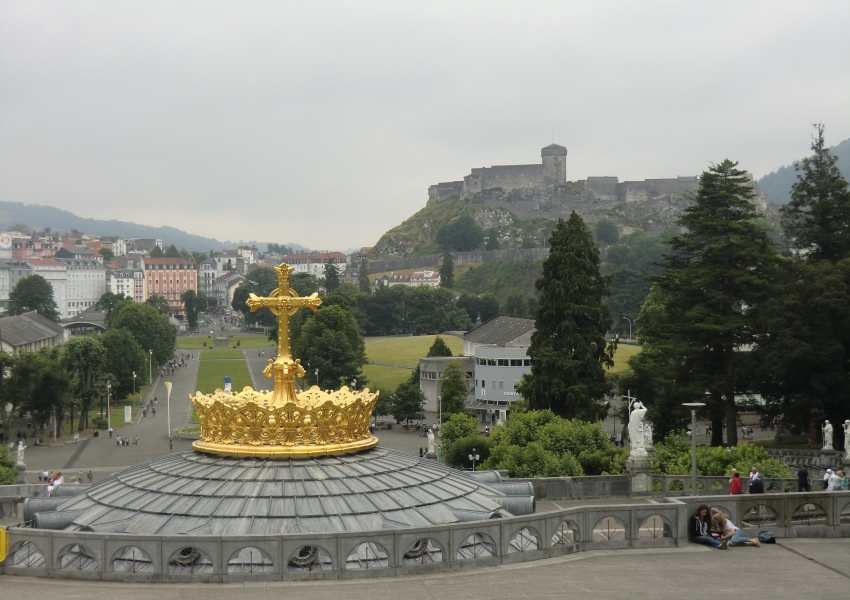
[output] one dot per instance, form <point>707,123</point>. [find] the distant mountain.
<point>777,185</point>
<point>37,216</point>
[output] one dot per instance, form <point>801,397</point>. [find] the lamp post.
<point>693,406</point>
<point>440,405</point>
<point>317,377</point>
<point>630,327</point>
<point>134,385</point>
<point>473,457</point>
<point>108,412</point>
<point>150,368</point>
<point>354,384</point>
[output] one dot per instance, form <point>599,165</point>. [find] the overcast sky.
<point>325,123</point>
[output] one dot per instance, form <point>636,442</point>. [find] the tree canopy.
<point>568,349</point>
<point>453,389</point>
<point>439,348</point>
<point>447,271</point>
<point>817,219</point>
<point>151,330</point>
<point>330,342</point>
<point>157,252</point>
<point>33,293</point>
<point>171,252</point>
<point>331,276</point>
<point>461,235</point>
<point>194,303</point>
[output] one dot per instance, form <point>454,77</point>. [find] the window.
<point>503,362</point>
<point>493,386</point>
<point>516,362</point>
<point>526,362</point>
<point>501,385</point>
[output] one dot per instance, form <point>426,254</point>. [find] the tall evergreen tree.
<point>331,276</point>
<point>817,219</point>
<point>568,348</point>
<point>363,277</point>
<point>447,271</point>
<point>715,278</point>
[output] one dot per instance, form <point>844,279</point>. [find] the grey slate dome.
<point>196,493</point>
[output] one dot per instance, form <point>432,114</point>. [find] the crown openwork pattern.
<point>283,423</point>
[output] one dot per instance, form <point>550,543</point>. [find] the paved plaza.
<point>794,568</point>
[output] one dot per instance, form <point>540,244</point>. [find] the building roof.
<point>168,261</point>
<point>82,263</point>
<point>553,147</point>
<point>196,493</point>
<point>68,251</point>
<point>499,330</point>
<point>90,317</point>
<point>45,262</point>
<point>314,257</point>
<point>28,328</point>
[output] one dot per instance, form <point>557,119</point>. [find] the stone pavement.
<point>102,456</point>
<point>794,568</point>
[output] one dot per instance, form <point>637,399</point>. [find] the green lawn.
<point>211,375</point>
<point>407,350</point>
<point>221,354</point>
<point>622,355</point>
<point>384,378</point>
<point>196,343</point>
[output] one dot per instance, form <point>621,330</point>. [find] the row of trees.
<point>68,380</point>
<point>730,317</point>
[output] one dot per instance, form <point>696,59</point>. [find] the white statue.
<point>827,435</point>
<point>21,452</point>
<point>846,427</point>
<point>640,431</point>
<point>431,441</point>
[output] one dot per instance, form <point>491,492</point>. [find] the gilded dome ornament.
<point>283,423</point>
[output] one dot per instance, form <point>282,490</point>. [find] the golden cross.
<point>284,302</point>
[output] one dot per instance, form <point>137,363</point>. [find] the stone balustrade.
<point>199,558</point>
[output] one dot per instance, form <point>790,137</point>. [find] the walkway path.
<point>795,568</point>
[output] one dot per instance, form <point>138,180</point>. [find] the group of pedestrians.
<point>755,485</point>
<point>124,440</point>
<point>151,406</point>
<point>716,530</point>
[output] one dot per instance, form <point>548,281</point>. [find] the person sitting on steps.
<point>730,534</point>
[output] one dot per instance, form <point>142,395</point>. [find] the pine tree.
<point>568,348</point>
<point>447,271</point>
<point>817,218</point>
<point>363,277</point>
<point>714,281</point>
<point>331,276</point>
<point>439,348</point>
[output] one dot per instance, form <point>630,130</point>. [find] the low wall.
<point>474,257</point>
<point>577,488</point>
<point>127,557</point>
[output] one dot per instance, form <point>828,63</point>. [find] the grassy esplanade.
<point>197,343</point>
<point>211,374</point>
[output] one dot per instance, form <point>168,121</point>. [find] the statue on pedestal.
<point>640,430</point>
<point>431,441</point>
<point>846,427</point>
<point>827,435</point>
<point>21,452</point>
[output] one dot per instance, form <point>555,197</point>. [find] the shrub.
<point>99,423</point>
<point>456,426</point>
<point>8,472</point>
<point>673,457</point>
<point>457,453</point>
<point>205,344</point>
<point>238,342</point>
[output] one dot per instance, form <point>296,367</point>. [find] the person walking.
<point>699,528</point>
<point>804,480</point>
<point>835,482</point>
<point>730,534</point>
<point>826,477</point>
<point>735,484</point>
<point>170,445</point>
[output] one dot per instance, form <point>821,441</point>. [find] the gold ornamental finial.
<point>284,302</point>
<point>283,423</point>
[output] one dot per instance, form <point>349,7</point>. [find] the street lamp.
<point>630,327</point>
<point>317,377</point>
<point>108,412</point>
<point>473,457</point>
<point>440,405</point>
<point>150,367</point>
<point>693,406</point>
<point>134,384</point>
<point>354,384</point>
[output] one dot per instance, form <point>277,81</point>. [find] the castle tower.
<point>554,164</point>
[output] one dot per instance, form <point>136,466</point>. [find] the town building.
<point>143,245</point>
<point>427,278</point>
<point>78,253</point>
<point>91,321</point>
<point>114,243</point>
<point>30,245</point>
<point>170,278</point>
<point>56,273</point>
<point>29,332</point>
<point>129,282</point>
<point>314,262</point>
<point>431,369</point>
<point>86,283</point>
<point>11,272</point>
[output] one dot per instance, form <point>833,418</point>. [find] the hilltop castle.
<point>553,172</point>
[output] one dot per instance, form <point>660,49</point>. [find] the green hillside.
<point>777,185</point>
<point>417,235</point>
<point>500,277</point>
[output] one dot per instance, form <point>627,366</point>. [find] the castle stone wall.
<point>475,257</point>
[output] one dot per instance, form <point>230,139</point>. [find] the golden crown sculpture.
<point>283,423</point>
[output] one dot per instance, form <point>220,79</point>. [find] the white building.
<point>56,274</point>
<point>86,284</point>
<point>428,278</point>
<point>129,282</point>
<point>114,243</point>
<point>314,262</point>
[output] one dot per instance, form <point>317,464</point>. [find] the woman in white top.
<point>731,535</point>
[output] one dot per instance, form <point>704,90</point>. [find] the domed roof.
<point>193,492</point>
